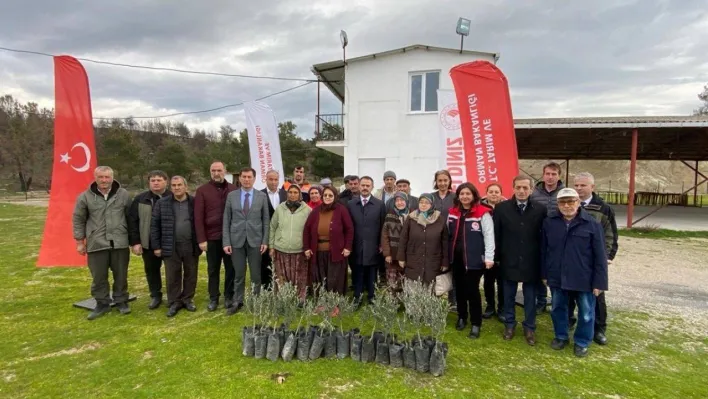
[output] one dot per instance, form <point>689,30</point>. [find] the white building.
<point>389,116</point>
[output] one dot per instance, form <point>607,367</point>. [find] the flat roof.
<point>665,138</point>
<point>332,73</point>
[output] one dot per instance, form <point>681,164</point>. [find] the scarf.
<point>292,205</point>
<point>425,218</point>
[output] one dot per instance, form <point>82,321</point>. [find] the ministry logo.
<point>450,117</point>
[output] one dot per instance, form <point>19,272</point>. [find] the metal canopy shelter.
<point>656,138</point>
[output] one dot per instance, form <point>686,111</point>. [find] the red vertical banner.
<point>74,162</point>
<point>487,125</point>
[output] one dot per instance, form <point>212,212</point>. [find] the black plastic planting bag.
<point>342,344</point>
<point>317,347</point>
<point>330,351</point>
<point>289,347</point>
<point>261,345</point>
<point>378,337</point>
<point>395,355</point>
<point>382,353</point>
<point>422,358</point>
<point>356,343</point>
<point>303,346</point>
<point>368,350</point>
<point>409,357</point>
<point>249,344</point>
<point>282,333</point>
<point>273,349</point>
<point>438,361</point>
<point>430,343</point>
<point>245,331</point>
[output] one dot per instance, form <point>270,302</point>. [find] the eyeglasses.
<point>328,196</point>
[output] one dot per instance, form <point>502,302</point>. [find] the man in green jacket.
<point>100,222</point>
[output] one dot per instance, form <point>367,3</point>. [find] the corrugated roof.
<point>613,122</point>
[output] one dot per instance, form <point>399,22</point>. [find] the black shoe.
<point>213,305</point>
<point>461,324</point>
<point>541,309</point>
<point>123,308</point>
<point>172,311</point>
<point>155,303</point>
<point>234,309</point>
<point>98,311</point>
<point>501,318</point>
<point>227,303</point>
<point>474,332</point>
<point>559,344</point>
<point>509,333</point>
<point>600,338</point>
<point>580,351</point>
<point>190,306</point>
<point>370,301</point>
<point>488,313</point>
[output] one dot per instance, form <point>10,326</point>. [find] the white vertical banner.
<point>263,142</point>
<point>452,148</point>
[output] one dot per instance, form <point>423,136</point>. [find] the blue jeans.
<point>541,294</point>
<point>529,290</point>
<point>585,329</point>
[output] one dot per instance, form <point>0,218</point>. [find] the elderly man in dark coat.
<point>573,263</point>
<point>368,214</point>
<point>517,231</point>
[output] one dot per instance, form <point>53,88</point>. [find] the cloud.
<point>562,58</point>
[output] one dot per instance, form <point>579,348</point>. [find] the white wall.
<point>378,125</point>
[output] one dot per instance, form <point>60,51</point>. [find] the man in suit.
<point>368,214</point>
<point>517,237</point>
<point>246,222</point>
<point>276,196</point>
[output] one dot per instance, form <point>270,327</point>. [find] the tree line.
<point>133,148</point>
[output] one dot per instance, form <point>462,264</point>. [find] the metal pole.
<point>462,43</point>
<point>632,175</point>
<point>317,118</point>
<point>567,172</point>
<point>344,76</point>
<point>695,188</point>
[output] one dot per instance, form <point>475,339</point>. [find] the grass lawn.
<point>644,232</point>
<point>50,350</point>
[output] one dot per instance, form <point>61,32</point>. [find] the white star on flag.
<point>65,158</point>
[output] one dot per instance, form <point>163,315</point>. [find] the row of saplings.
<point>319,332</point>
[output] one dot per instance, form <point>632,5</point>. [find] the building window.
<point>424,91</point>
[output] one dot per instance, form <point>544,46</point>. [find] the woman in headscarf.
<point>390,235</point>
<point>422,249</point>
<point>471,230</point>
<point>315,197</point>
<point>492,276</point>
<point>328,237</point>
<point>285,241</point>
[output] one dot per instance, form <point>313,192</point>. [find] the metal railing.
<point>330,127</point>
<point>648,198</point>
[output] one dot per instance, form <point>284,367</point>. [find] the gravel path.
<point>666,277</point>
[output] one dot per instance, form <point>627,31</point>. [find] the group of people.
<point>314,236</point>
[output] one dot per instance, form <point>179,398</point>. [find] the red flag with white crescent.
<point>487,125</point>
<point>74,162</point>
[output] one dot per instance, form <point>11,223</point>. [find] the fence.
<point>649,198</point>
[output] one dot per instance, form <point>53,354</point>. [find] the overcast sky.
<point>562,58</point>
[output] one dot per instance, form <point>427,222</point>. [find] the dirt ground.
<point>666,277</point>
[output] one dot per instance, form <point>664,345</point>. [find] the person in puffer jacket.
<point>471,244</point>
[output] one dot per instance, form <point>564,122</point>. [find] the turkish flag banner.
<point>487,125</point>
<point>74,162</point>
